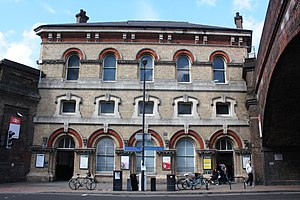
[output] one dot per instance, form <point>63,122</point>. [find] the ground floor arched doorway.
<point>226,157</point>
<point>64,165</point>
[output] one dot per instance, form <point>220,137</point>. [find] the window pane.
<point>66,142</point>
<point>218,63</point>
<point>184,108</point>
<point>149,105</point>
<point>219,76</point>
<point>105,155</point>
<point>73,67</point>
<point>109,68</point>
<point>185,156</point>
<point>68,106</point>
<point>148,69</point>
<point>183,69</point>
<point>222,108</point>
<point>72,73</point>
<point>107,107</point>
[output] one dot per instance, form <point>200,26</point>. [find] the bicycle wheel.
<point>198,184</point>
<point>179,184</point>
<point>186,185</point>
<point>90,184</point>
<point>74,184</point>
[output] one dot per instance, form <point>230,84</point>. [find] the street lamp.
<point>144,62</point>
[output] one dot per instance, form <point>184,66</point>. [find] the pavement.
<point>161,189</point>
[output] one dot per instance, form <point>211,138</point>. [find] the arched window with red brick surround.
<point>72,57</point>
<point>219,60</point>
<point>183,59</point>
<point>148,69</point>
<point>109,57</point>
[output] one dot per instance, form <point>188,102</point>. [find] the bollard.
<point>153,184</point>
<point>170,182</point>
<point>129,184</point>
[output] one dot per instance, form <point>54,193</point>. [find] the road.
<point>82,196</point>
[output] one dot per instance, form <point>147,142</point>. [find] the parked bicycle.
<point>192,181</point>
<point>88,181</point>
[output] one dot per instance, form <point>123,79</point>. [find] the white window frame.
<point>68,67</point>
<point>67,97</point>
<point>185,98</point>
<point>103,69</point>
<point>141,66</point>
<point>226,100</point>
<point>156,101</point>
<point>220,70</point>
<point>107,97</point>
<point>181,69</point>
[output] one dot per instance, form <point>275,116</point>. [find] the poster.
<point>207,163</point>
<point>245,160</point>
<point>14,126</point>
<point>84,160</point>
<point>124,162</point>
<point>166,164</point>
<point>40,159</point>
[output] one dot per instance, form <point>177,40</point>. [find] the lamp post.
<point>144,62</point>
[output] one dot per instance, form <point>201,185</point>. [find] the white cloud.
<point>241,5</point>
<point>48,8</point>
<point>146,11</point>
<point>257,27</point>
<point>206,2</point>
<point>25,51</point>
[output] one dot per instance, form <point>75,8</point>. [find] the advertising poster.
<point>84,160</point>
<point>14,126</point>
<point>206,163</point>
<point>124,162</point>
<point>166,164</point>
<point>40,159</point>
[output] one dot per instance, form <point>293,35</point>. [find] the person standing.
<point>249,170</point>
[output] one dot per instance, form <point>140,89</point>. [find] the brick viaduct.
<point>273,94</point>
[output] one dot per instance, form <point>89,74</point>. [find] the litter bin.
<point>117,182</point>
<point>134,182</point>
<point>170,182</point>
<point>153,184</point>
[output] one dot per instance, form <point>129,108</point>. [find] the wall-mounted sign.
<point>207,162</point>
<point>84,160</point>
<point>166,162</point>
<point>124,162</point>
<point>246,158</point>
<point>40,160</point>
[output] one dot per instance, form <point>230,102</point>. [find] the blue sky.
<point>19,43</point>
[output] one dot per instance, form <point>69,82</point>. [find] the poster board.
<point>166,162</point>
<point>84,160</point>
<point>245,160</point>
<point>207,162</point>
<point>40,160</point>
<point>124,162</point>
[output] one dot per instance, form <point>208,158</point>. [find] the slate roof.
<point>142,24</point>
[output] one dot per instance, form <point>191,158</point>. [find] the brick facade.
<point>87,128</point>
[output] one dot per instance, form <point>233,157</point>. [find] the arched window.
<point>148,69</point>
<point>149,157</point>
<point>224,144</point>
<point>105,155</point>
<point>66,142</point>
<point>219,70</point>
<point>183,69</point>
<point>185,156</point>
<point>109,68</point>
<point>72,67</point>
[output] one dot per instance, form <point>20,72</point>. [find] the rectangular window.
<point>185,108</point>
<point>149,105</point>
<point>106,107</point>
<point>68,107</point>
<point>222,108</point>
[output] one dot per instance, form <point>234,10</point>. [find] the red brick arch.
<point>184,52</point>
<point>181,133</point>
<point>61,131</point>
<point>75,51</point>
<point>153,134</point>
<point>220,134</point>
<point>146,51</point>
<point>110,51</point>
<point>219,53</point>
<point>92,139</point>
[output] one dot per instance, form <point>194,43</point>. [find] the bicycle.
<point>192,181</point>
<point>87,181</point>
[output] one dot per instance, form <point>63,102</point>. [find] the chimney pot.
<point>81,17</point>
<point>238,20</point>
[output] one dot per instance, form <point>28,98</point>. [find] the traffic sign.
<point>132,148</point>
<point>154,148</point>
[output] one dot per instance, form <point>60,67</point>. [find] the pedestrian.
<point>249,170</point>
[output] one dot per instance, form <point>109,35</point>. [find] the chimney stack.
<point>81,17</point>
<point>238,20</point>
